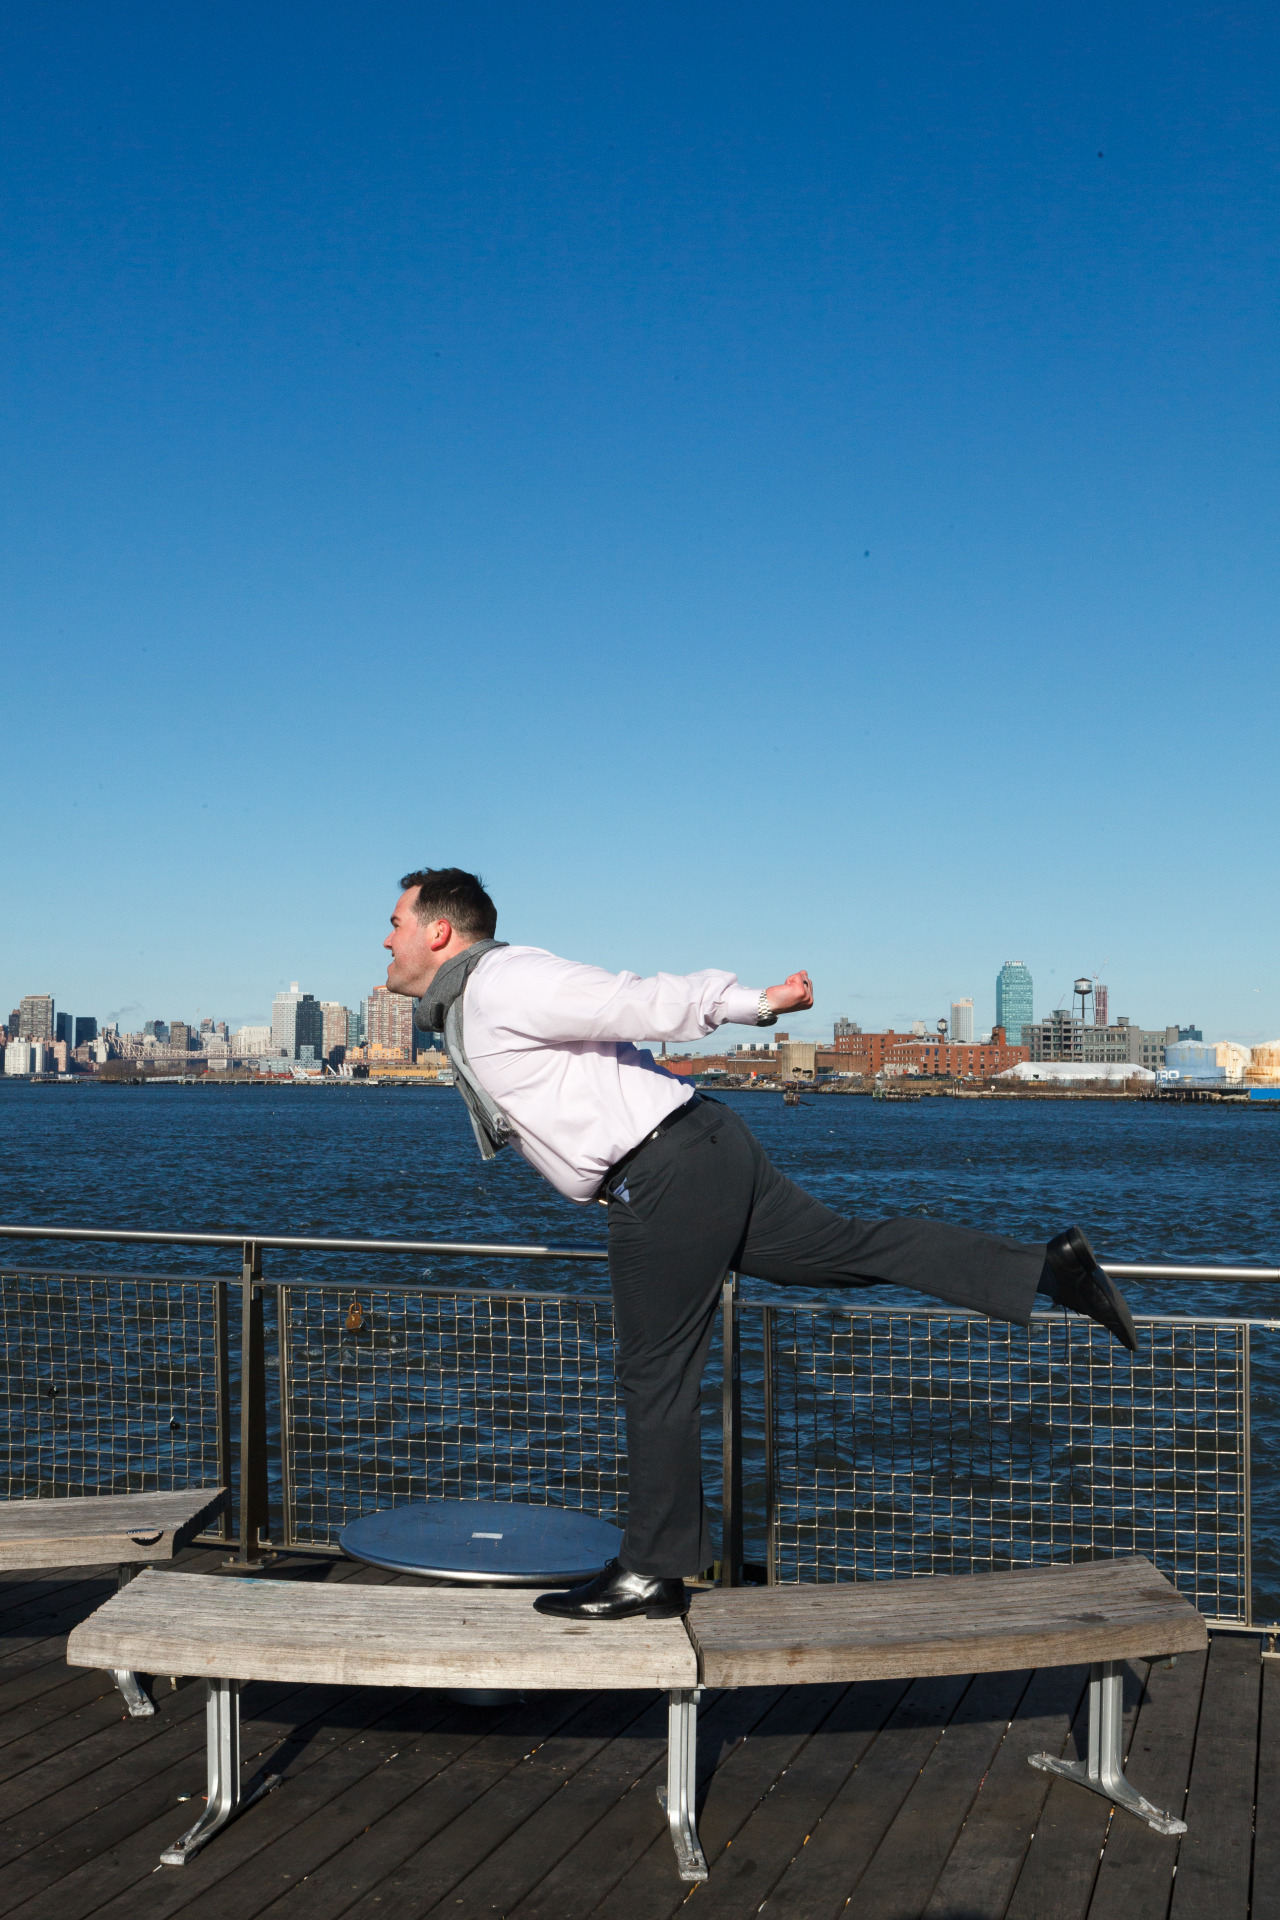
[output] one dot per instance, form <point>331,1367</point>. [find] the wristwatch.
<point>766,1016</point>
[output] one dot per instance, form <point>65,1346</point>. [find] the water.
<point>1147,1182</point>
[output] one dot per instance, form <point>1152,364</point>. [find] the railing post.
<point>731,1411</point>
<point>771,1557</point>
<point>222,1389</point>
<point>1246,1384</point>
<point>253,1411</point>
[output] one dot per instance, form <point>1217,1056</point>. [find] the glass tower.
<point>1014,1000</point>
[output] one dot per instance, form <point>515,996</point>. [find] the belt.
<point>663,1126</point>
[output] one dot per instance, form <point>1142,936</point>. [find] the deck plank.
<point>1266,1845</point>
<point>982,1868</point>
<point>95,1847</point>
<point>754,1826</point>
<point>506,1790</point>
<point>53,1795</point>
<point>1061,1867</point>
<point>1135,1877</point>
<point>436,1740</point>
<point>628,1762</point>
<point>319,1809</point>
<point>1215,1859</point>
<point>625,1861</point>
<point>440,1796</point>
<point>821,1877</point>
<point>906,1866</point>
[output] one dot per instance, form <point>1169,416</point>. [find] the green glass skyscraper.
<point>1014,1009</point>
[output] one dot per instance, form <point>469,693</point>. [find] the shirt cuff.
<point>740,1007</point>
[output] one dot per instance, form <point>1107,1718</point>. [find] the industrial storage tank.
<point>1206,1062</point>
<point>1263,1069</point>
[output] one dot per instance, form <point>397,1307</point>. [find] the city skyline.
<point>393,1025</point>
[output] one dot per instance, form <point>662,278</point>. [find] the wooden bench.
<point>1098,1613</point>
<point>130,1529</point>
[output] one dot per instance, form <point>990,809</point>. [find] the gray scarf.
<point>440,1011</point>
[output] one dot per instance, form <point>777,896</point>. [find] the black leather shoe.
<point>615,1594</point>
<point>1078,1282</point>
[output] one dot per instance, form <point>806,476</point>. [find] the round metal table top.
<point>491,1542</point>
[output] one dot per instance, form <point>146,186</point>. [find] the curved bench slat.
<point>348,1635</point>
<point>1061,1615</point>
<point>81,1530</point>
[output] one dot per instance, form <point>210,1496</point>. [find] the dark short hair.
<point>447,893</point>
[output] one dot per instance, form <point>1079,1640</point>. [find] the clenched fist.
<point>793,996</point>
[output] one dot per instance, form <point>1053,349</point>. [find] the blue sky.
<point>767,487</point>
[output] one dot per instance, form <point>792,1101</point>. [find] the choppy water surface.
<point>1148,1182</point>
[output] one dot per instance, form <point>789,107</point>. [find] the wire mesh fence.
<point>409,1394</point>
<point>893,1443</point>
<point>915,1443</point>
<point>110,1383</point>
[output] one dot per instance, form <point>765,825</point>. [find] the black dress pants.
<point>698,1201</point>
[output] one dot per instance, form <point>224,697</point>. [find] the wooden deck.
<point>904,1800</point>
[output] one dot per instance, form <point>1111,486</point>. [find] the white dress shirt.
<point>554,1043</point>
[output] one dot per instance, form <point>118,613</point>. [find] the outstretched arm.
<point>558,1000</point>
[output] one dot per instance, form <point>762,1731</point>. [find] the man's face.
<point>417,947</point>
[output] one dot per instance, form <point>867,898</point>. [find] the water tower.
<point>1081,991</point>
<point>942,1029</point>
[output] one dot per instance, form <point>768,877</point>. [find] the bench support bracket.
<point>682,1770</point>
<point>135,1696</point>
<point>225,1800</point>
<point>1104,1771</point>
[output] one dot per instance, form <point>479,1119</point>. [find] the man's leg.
<point>675,1218</point>
<point>795,1240</point>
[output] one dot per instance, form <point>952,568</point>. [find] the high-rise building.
<point>1014,1000</point>
<point>1099,1004</point>
<point>845,1026</point>
<point>388,1021</point>
<point>337,1035</point>
<point>296,1021</point>
<point>309,1027</point>
<point>962,1023</point>
<point>35,1017</point>
<point>86,1029</point>
<point>284,1020</point>
<point>64,1028</point>
<point>180,1036</point>
<point>157,1030</point>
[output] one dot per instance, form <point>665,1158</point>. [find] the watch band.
<point>766,1016</point>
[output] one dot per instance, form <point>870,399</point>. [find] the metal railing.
<point>850,1442</point>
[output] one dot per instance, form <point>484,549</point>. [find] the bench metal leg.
<point>135,1696</point>
<point>1103,1772</point>
<point>682,1769</point>
<point>224,1800</point>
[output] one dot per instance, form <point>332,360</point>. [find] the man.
<point>545,1054</point>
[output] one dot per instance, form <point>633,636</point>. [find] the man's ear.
<point>439,935</point>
